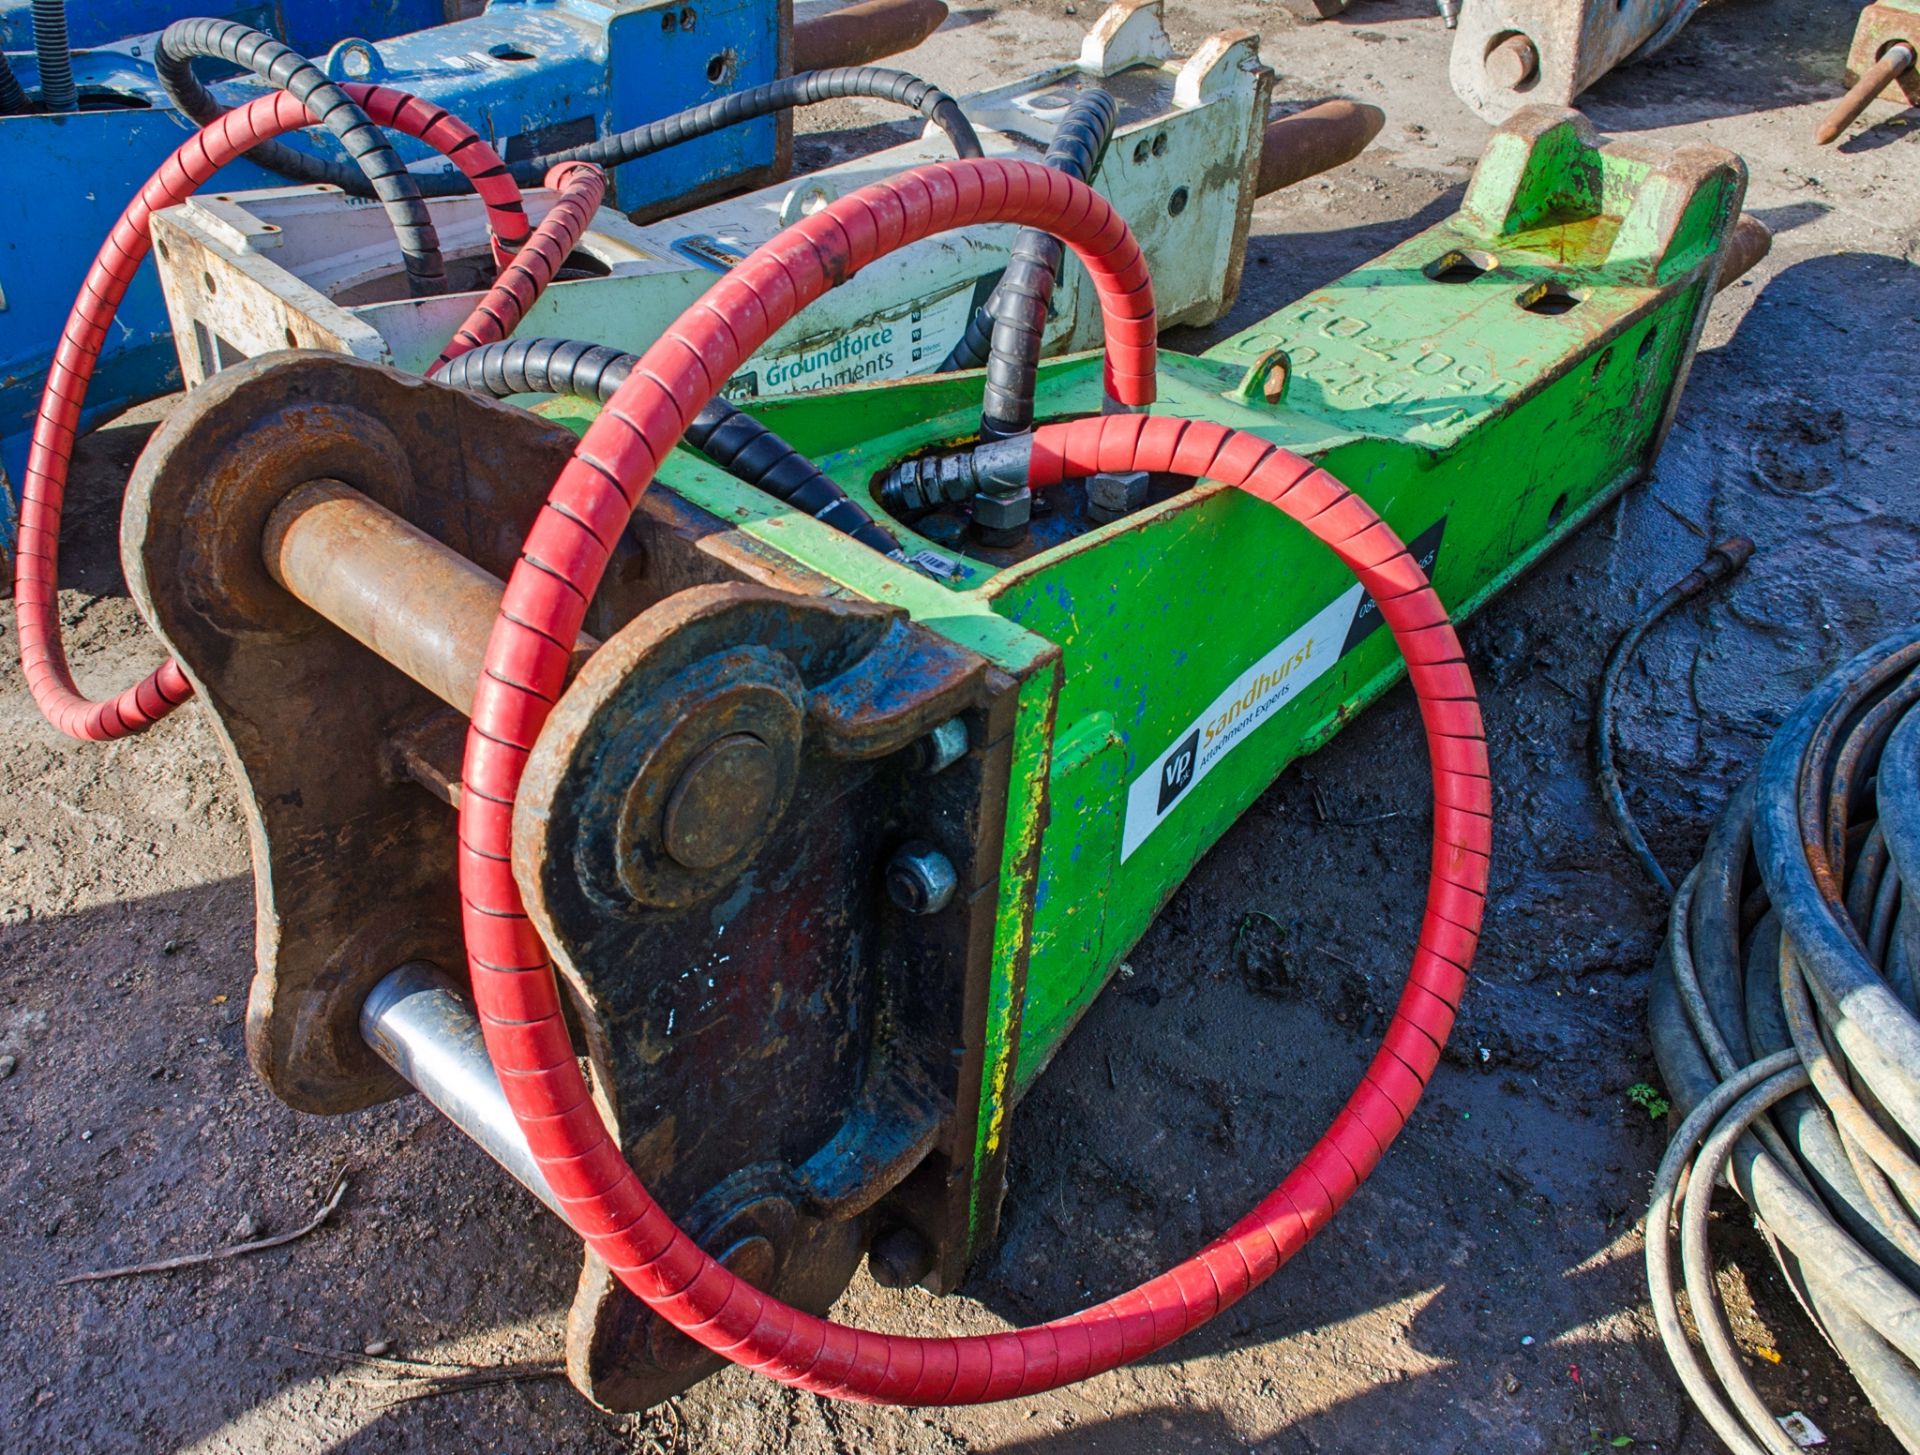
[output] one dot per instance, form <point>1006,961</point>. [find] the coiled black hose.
<point>54,56</point>
<point>1784,1010</point>
<point>736,442</point>
<point>13,96</point>
<point>875,82</point>
<point>1007,332</point>
<point>380,172</point>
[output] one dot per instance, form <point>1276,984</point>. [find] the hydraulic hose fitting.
<point>916,488</point>
<point>1723,559</point>
<point>996,469</point>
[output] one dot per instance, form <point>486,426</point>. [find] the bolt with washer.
<point>921,879</point>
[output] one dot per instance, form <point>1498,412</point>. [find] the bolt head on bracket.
<point>1113,494</point>
<point>921,879</point>
<point>711,779</point>
<point>722,803</point>
<point>1001,519</point>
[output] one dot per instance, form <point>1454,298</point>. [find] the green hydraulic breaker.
<point>833,848</point>
<point>1487,386</point>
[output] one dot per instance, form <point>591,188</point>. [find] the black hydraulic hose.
<point>736,442</point>
<point>1012,323</point>
<point>1724,561</point>
<point>54,56</point>
<point>1783,1010</point>
<point>1077,146</point>
<point>874,82</point>
<point>1076,150</point>
<point>377,169</point>
<point>13,96</point>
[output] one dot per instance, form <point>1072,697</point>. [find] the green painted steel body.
<point>1497,410</point>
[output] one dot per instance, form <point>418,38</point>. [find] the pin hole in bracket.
<point>1461,265</point>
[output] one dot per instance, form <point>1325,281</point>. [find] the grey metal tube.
<point>419,1023</point>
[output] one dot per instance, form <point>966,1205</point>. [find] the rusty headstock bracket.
<point>791,1056</point>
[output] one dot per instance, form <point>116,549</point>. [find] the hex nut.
<point>941,748</point>
<point>921,879</point>
<point>1010,511</point>
<point>1115,493</point>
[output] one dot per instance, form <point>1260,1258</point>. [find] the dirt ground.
<point>1483,1293</point>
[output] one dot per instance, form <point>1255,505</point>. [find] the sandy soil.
<point>1482,1294</point>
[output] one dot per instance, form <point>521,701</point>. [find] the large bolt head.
<point>1003,512</point>
<point>1115,493</point>
<point>694,781</point>
<point>899,1258</point>
<point>1513,62</point>
<point>720,806</point>
<point>921,879</point>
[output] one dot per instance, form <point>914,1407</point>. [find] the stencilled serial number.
<point>1365,371</point>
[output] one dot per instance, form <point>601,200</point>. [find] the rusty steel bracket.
<point>793,1059</point>
<point>1513,53</point>
<point>1881,69</point>
<point>701,836</point>
<point>353,868</point>
<point>1888,23</point>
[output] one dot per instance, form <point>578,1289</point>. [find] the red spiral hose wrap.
<point>581,186</point>
<point>525,673</point>
<point>507,225</point>
<point>43,657</point>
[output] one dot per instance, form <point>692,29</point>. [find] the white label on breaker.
<point>1254,696</point>
<point>914,342</point>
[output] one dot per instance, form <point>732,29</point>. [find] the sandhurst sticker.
<point>1280,676</point>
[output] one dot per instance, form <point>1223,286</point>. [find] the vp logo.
<point>1176,770</point>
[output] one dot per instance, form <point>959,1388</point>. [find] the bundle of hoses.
<point>53,57</point>
<point>355,113</point>
<point>1784,1021</point>
<point>736,442</point>
<point>1006,332</point>
<point>274,63</point>
<point>376,168</point>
